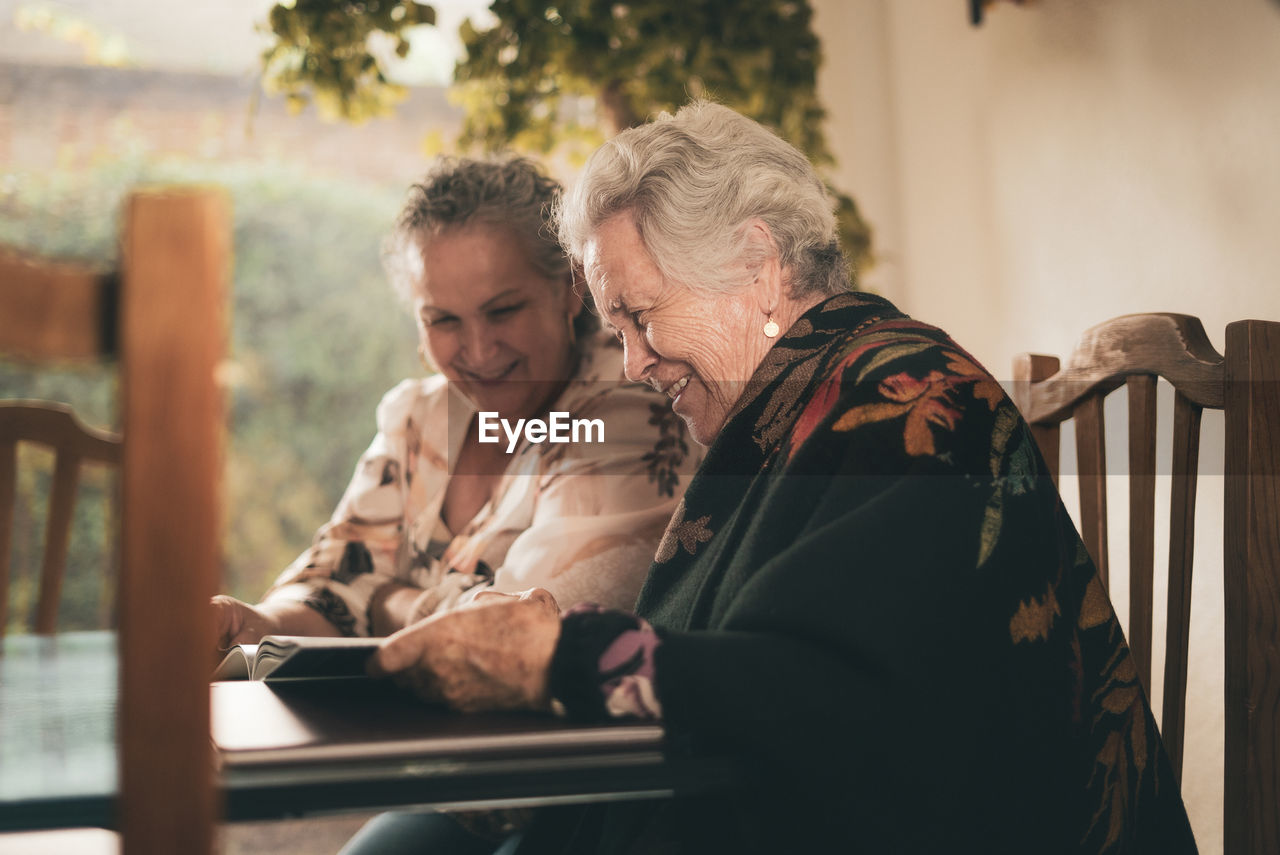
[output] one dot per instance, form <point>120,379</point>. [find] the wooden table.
<point>58,758</point>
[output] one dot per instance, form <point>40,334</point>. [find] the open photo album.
<point>297,657</point>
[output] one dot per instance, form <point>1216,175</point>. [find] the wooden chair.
<point>1245,383</point>
<point>55,427</point>
<point>161,316</point>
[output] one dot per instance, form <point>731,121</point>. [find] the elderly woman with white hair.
<point>870,588</point>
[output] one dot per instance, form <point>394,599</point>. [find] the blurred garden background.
<point>314,116</point>
<point>97,98</point>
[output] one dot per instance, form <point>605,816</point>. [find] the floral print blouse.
<point>581,520</point>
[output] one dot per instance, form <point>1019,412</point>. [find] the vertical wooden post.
<point>1091,460</point>
<point>1142,519</point>
<point>8,496</point>
<point>1031,368</point>
<point>1251,537</point>
<point>173,333</point>
<point>57,539</point>
<point>1182,543</point>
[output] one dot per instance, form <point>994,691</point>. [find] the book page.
<point>289,657</point>
<point>237,664</point>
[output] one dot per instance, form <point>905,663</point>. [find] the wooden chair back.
<point>55,427</point>
<point>162,318</point>
<point>1244,382</point>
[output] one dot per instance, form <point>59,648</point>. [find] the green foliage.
<point>560,77</point>
<point>640,58</point>
<point>524,81</point>
<point>317,337</point>
<point>323,50</point>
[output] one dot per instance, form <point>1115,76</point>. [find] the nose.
<point>478,343</point>
<point>638,358</point>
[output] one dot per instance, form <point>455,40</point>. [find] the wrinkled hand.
<point>492,654</point>
<point>238,622</point>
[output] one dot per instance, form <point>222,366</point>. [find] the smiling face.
<point>699,349</point>
<point>492,323</point>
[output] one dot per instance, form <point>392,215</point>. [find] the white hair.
<point>693,183</point>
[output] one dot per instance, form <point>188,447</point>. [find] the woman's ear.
<point>762,253</point>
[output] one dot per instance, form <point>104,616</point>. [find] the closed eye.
<point>438,320</point>
<point>505,311</point>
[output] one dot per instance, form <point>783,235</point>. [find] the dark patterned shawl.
<point>872,589</point>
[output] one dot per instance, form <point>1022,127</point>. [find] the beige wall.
<point>1066,162</point>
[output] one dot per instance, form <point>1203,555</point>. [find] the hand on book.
<point>492,654</point>
<point>238,622</point>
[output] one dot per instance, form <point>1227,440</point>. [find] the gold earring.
<point>422,357</point>
<point>770,327</point>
